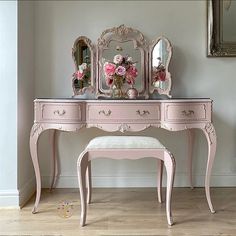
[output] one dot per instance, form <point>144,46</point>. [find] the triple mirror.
<point>127,66</point>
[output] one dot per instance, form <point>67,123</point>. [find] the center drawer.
<point>119,112</point>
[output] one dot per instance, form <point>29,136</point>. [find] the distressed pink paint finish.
<point>124,115</point>
<point>133,154</point>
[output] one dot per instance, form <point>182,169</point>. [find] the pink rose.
<point>130,80</point>
<point>109,80</point>
<point>109,68</point>
<point>161,75</point>
<point>79,75</point>
<point>120,70</point>
<point>118,59</point>
<point>132,72</point>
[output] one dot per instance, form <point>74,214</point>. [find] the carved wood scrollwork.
<point>36,130</point>
<point>210,131</point>
<point>123,128</point>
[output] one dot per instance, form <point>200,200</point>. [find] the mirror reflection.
<point>121,63</point>
<point>160,57</point>
<point>83,65</point>
<point>121,66</point>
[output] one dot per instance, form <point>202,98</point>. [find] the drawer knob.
<point>142,113</point>
<point>60,113</point>
<point>188,113</point>
<point>108,113</point>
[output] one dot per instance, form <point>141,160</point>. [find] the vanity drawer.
<point>60,112</point>
<point>120,112</point>
<point>187,112</point>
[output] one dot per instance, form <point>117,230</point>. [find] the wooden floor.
<point>125,212</point>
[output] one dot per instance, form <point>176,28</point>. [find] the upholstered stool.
<point>124,147</point>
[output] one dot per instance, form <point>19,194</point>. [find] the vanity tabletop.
<point>109,100</point>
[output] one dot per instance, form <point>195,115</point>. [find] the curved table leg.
<point>210,134</point>
<point>159,179</point>
<point>34,135</point>
<point>191,137</point>
<point>82,166</point>
<point>89,182</point>
<point>52,137</point>
<point>169,163</point>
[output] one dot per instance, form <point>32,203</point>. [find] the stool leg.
<point>89,183</point>
<point>82,167</point>
<point>159,179</point>
<point>169,162</point>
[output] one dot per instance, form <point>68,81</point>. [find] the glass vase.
<point>116,92</point>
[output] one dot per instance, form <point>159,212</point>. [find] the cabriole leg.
<point>169,163</point>
<point>89,182</point>
<point>190,155</point>
<point>159,179</point>
<point>210,134</point>
<point>52,137</point>
<point>34,135</point>
<point>82,168</point>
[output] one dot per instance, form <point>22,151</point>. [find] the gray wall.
<point>16,94</point>
<point>59,23</point>
<point>26,180</point>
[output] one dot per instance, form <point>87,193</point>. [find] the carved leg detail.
<point>34,135</point>
<point>159,179</point>
<point>169,162</point>
<point>52,137</point>
<point>89,182</point>
<point>191,137</point>
<point>82,168</point>
<point>210,134</point>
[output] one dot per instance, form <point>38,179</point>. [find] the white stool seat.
<point>124,142</point>
<point>124,147</point>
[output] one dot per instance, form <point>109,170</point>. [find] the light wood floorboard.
<point>133,211</point>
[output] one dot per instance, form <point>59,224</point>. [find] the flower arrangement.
<point>159,72</point>
<point>122,70</point>
<point>83,75</point>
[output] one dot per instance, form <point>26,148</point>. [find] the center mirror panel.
<point>121,63</point>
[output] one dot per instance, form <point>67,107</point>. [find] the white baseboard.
<point>9,198</point>
<point>141,180</point>
<point>13,198</point>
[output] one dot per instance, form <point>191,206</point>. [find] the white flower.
<point>130,59</point>
<point>118,59</point>
<point>82,67</point>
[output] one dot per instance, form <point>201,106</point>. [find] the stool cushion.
<point>124,142</point>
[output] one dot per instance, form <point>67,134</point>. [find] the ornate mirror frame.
<point>122,34</point>
<point>91,88</point>
<point>216,47</point>
<point>152,89</point>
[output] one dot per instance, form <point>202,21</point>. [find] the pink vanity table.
<point>124,115</point>
<point>151,62</point>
